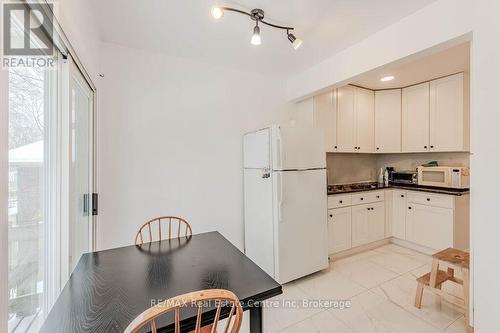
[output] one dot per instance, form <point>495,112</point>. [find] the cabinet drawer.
<point>337,201</point>
<point>367,197</point>
<point>430,199</point>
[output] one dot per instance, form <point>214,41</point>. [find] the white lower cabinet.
<point>429,226</point>
<point>376,221</point>
<point>434,221</point>
<point>360,229</point>
<point>355,219</point>
<point>368,223</point>
<point>430,220</point>
<point>399,208</point>
<point>339,229</point>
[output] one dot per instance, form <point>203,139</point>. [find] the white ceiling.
<point>185,28</point>
<point>450,61</point>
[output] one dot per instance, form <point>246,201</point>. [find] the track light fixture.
<point>296,43</point>
<point>258,16</point>
<point>256,35</point>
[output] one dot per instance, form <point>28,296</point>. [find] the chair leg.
<point>419,295</point>
<point>434,271</point>
<point>465,286</point>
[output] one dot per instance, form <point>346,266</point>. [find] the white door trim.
<point>4,157</point>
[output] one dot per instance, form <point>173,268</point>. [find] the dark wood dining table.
<point>108,289</point>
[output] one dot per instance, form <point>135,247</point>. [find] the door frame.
<point>4,194</point>
<point>71,71</point>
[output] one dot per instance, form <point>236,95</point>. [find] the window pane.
<point>27,116</point>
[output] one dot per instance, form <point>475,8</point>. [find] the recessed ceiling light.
<point>387,78</point>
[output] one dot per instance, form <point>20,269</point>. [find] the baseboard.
<point>413,246</point>
<point>358,249</point>
<point>374,245</point>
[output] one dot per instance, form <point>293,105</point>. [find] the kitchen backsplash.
<point>353,168</point>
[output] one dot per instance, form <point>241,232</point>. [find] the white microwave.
<point>445,176</point>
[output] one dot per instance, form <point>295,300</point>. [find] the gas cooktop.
<point>343,188</point>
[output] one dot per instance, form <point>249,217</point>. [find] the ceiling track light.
<point>258,16</point>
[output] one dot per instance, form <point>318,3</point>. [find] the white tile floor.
<point>380,285</point>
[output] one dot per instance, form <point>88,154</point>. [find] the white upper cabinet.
<point>364,108</point>
<point>346,133</point>
<point>355,120</point>
<point>325,117</point>
<point>431,116</point>
<point>449,119</point>
<point>415,118</point>
<point>388,121</point>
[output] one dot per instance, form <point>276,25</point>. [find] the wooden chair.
<point>454,261</point>
<point>220,297</point>
<point>174,227</point>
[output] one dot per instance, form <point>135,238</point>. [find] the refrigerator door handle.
<point>280,195</point>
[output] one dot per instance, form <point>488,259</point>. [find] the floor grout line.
<point>368,259</point>
<point>453,322</point>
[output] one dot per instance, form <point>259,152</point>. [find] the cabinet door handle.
<point>340,201</point>
<point>361,199</point>
<point>428,199</point>
<point>425,147</point>
<point>378,196</point>
<point>409,207</point>
<point>402,195</point>
<point>335,147</point>
<point>331,215</point>
<point>432,146</point>
<point>378,148</point>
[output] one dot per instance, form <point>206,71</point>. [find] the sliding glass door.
<point>50,177</point>
<point>29,114</point>
<point>82,105</point>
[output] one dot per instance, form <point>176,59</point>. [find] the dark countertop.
<point>362,187</point>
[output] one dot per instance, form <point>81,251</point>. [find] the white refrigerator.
<point>285,198</point>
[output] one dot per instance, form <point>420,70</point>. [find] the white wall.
<point>485,162</point>
<point>435,25</point>
<point>80,26</point>
<point>171,141</point>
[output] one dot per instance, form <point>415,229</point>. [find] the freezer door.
<point>256,149</point>
<point>258,212</point>
<point>297,148</point>
<point>301,219</point>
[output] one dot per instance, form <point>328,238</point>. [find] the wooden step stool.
<point>455,261</point>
